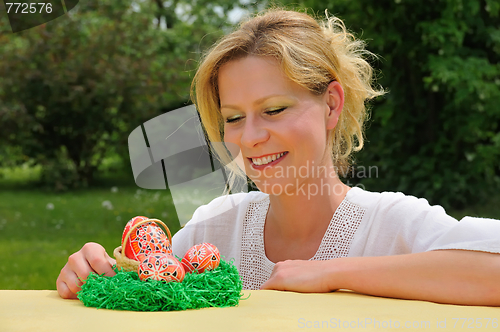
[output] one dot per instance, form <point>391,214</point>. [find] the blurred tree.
<point>437,132</point>
<point>73,89</point>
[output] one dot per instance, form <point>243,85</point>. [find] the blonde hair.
<point>311,54</point>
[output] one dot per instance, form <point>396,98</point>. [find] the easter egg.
<point>201,257</point>
<point>162,267</point>
<point>145,239</point>
<point>131,223</point>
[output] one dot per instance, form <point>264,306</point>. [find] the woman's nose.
<point>253,133</point>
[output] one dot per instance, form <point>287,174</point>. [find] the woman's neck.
<point>296,223</point>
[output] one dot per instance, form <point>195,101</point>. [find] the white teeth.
<point>267,160</point>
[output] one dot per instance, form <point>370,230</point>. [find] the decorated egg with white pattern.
<point>201,257</point>
<point>145,239</point>
<point>162,267</point>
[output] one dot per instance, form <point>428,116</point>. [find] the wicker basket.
<point>123,261</point>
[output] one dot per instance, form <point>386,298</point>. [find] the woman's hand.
<point>91,258</point>
<point>303,276</point>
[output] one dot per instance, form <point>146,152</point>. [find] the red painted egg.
<point>132,222</point>
<point>144,240</point>
<point>163,267</point>
<point>201,257</point>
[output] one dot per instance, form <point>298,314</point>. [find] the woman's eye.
<point>233,119</point>
<point>275,111</point>
<point>272,111</point>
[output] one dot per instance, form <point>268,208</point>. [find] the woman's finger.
<point>78,264</point>
<point>91,258</point>
<point>64,291</point>
<point>98,260</point>
<point>67,284</point>
<point>302,276</point>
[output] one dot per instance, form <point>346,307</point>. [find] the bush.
<point>73,89</point>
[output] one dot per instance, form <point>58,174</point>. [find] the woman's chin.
<point>276,188</point>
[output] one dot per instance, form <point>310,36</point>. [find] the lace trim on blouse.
<point>256,268</point>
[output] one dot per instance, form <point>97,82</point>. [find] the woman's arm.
<point>443,276</point>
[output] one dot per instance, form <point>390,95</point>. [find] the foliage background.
<point>73,89</point>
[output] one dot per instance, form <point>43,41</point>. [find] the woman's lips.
<point>261,163</point>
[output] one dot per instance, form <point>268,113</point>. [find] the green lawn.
<point>39,229</point>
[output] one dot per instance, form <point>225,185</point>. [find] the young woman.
<point>289,92</point>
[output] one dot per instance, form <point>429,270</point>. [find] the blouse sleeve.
<point>480,234</point>
<point>395,224</point>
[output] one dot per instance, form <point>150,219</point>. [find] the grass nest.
<point>125,291</point>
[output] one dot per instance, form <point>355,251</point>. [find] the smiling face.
<point>278,125</point>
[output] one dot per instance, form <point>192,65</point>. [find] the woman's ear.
<point>334,96</point>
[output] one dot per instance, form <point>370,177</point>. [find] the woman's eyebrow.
<point>257,102</point>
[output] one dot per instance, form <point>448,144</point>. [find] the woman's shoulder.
<point>395,204</point>
<point>395,223</point>
<point>365,198</point>
<point>222,205</point>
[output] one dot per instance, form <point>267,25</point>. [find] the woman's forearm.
<point>444,276</point>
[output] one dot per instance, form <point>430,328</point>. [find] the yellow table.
<point>38,311</point>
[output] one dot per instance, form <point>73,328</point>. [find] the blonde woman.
<point>290,93</point>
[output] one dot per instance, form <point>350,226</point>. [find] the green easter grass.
<point>125,291</point>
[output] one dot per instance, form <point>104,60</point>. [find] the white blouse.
<point>365,224</point>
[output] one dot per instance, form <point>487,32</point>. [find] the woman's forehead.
<point>253,77</point>
<point>252,63</point>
